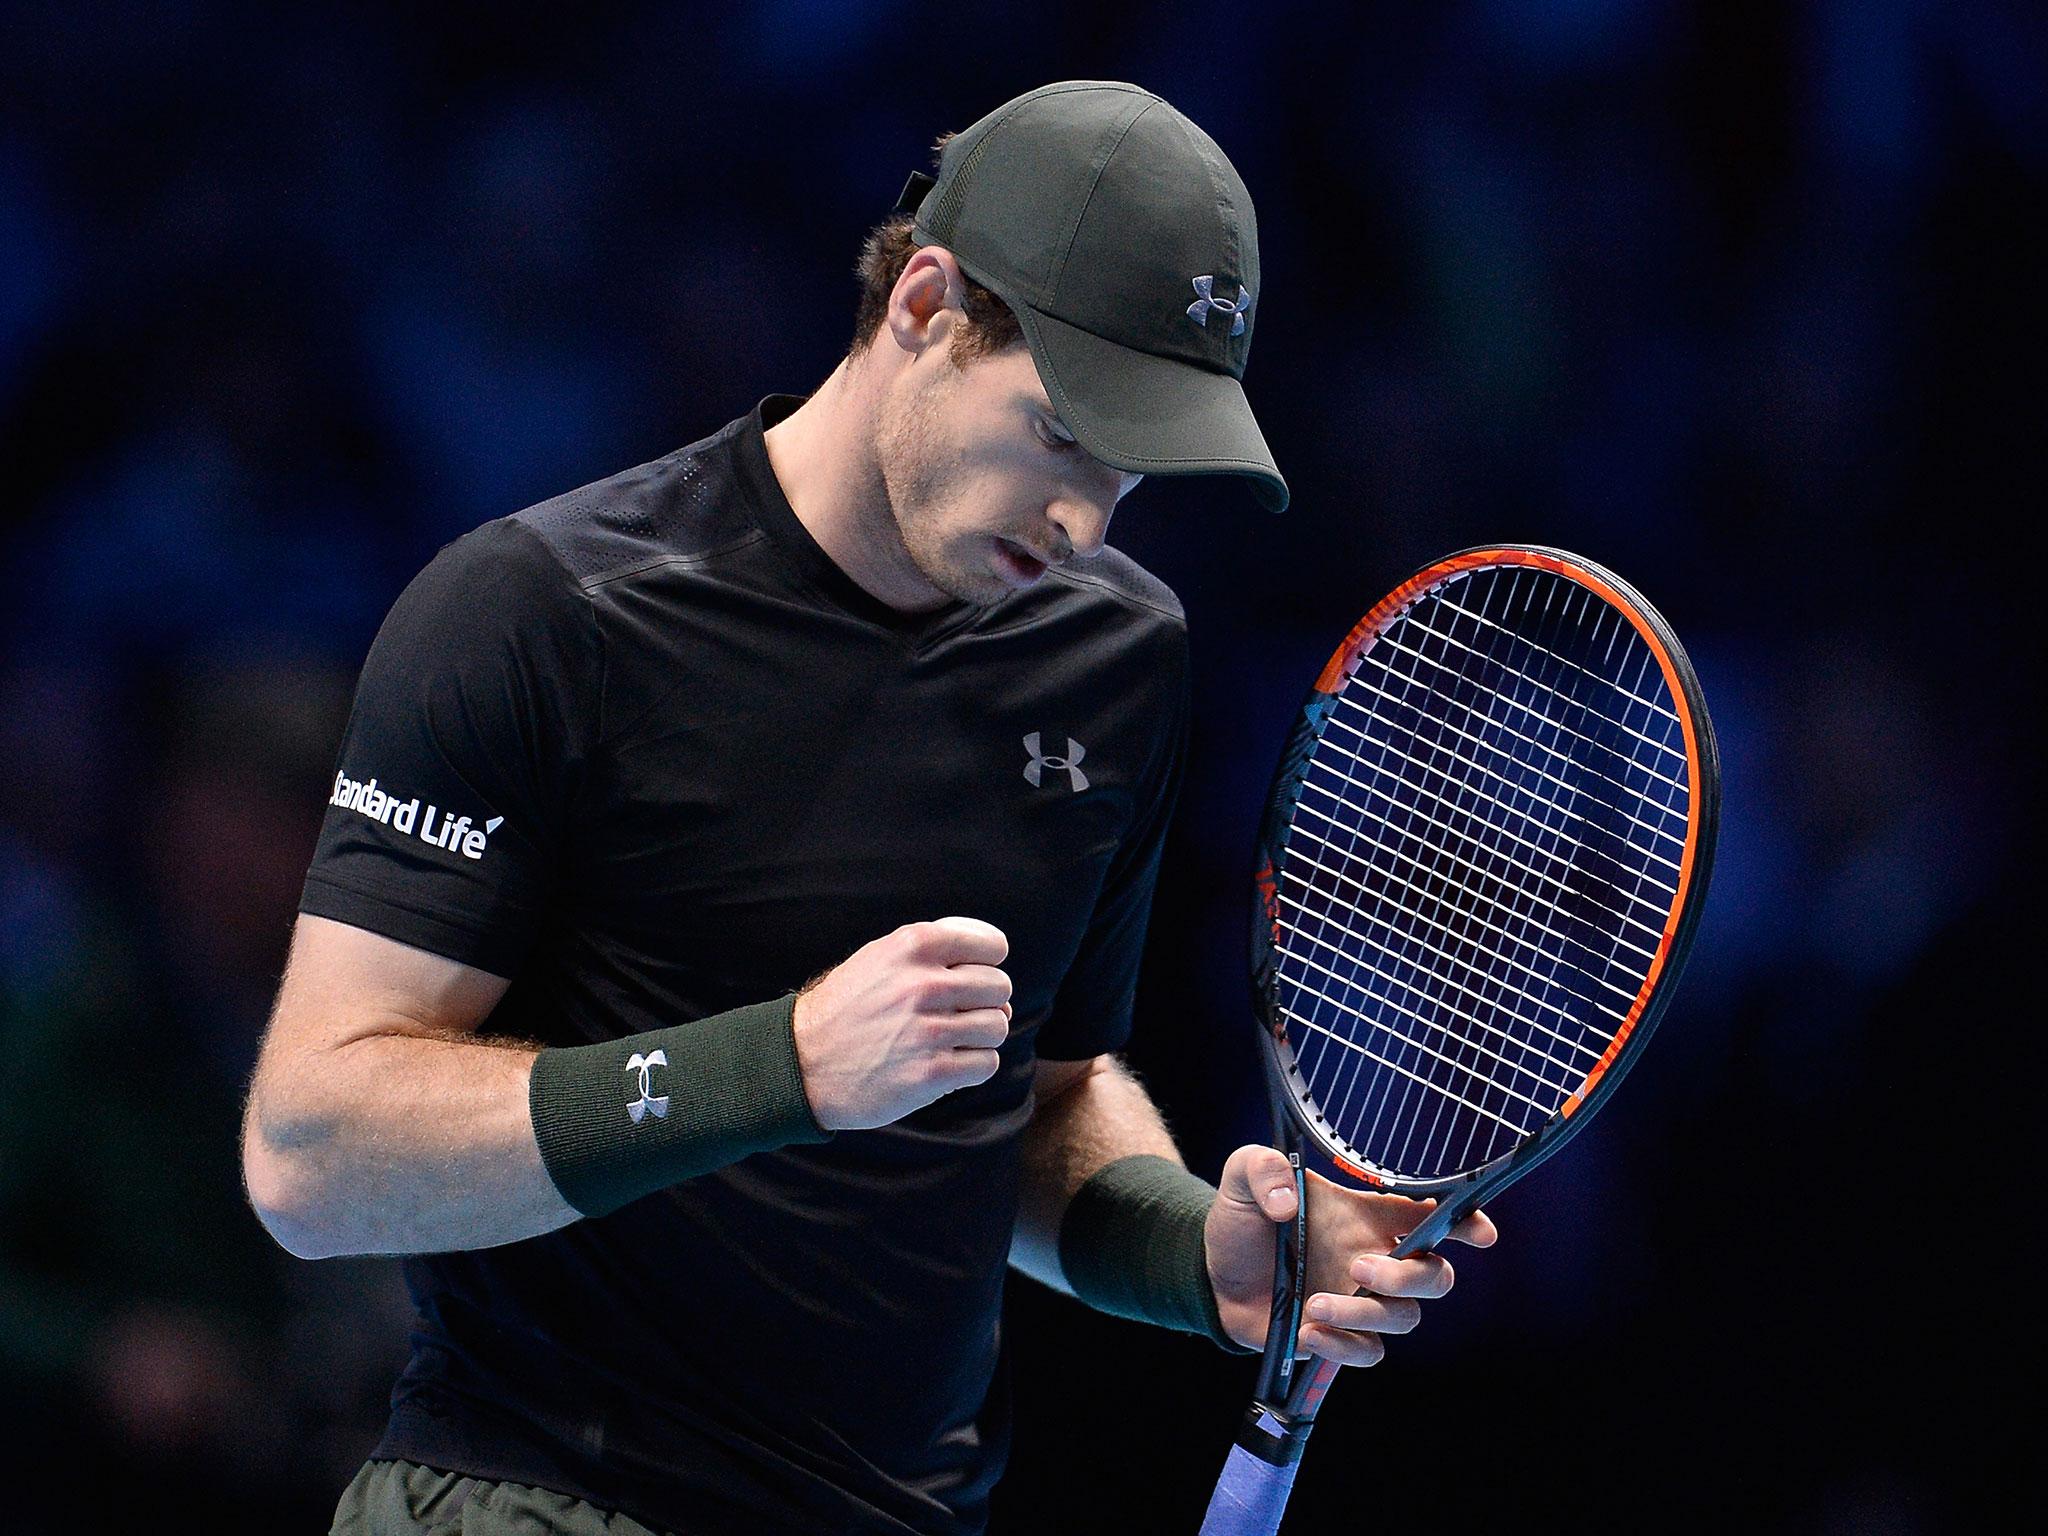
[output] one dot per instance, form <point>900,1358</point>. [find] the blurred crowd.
<point>1737,300</point>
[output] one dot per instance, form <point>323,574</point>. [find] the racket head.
<point>1482,861</point>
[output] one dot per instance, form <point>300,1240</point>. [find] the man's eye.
<point>1047,436</point>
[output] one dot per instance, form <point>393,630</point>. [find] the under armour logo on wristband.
<point>648,1099</point>
<point>1199,310</point>
<point>1069,765</point>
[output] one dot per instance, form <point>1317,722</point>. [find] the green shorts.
<point>401,1498</point>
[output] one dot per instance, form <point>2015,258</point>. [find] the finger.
<point>1260,1177</point>
<point>970,985</point>
<point>1426,1275</point>
<point>1477,1230</point>
<point>1335,1344</point>
<point>976,1029</point>
<point>965,1067</point>
<point>1365,1314</point>
<point>957,939</point>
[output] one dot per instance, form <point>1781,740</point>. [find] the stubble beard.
<point>910,457</point>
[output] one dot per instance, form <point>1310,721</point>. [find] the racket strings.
<point>1656,829</point>
<point>1655,710</point>
<point>1465,1059</point>
<point>1475,882</point>
<point>1490,816</point>
<point>1294,879</point>
<point>1464,783</point>
<point>1583,748</point>
<point>1402,1045</point>
<point>1551,875</point>
<point>1394,1033</point>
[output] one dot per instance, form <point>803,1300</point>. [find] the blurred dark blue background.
<point>1738,299</point>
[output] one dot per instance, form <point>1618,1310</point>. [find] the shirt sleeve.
<point>471,727</point>
<point>1091,1013</point>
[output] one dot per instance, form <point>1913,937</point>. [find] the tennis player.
<point>732,890</point>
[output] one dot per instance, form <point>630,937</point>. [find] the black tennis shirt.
<point>647,751</point>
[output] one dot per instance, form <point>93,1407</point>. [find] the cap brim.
<point>1150,415</point>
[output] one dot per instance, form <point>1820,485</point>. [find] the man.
<point>696,1246</point>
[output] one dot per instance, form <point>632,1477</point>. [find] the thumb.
<point>981,941</point>
<point>1261,1177</point>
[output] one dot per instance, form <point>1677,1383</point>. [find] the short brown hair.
<point>991,324</point>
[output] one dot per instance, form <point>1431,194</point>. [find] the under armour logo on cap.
<point>1069,765</point>
<point>648,1099</point>
<point>1199,310</point>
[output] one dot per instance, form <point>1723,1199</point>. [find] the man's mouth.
<point>1023,566</point>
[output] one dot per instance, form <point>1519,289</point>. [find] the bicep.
<point>343,984</point>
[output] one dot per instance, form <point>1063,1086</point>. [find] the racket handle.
<point>1258,1475</point>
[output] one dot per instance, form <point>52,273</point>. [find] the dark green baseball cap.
<point>1125,242</point>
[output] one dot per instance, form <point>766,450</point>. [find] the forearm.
<point>401,1144</point>
<point>1100,1117</point>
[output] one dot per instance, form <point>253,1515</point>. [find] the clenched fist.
<point>902,1021</point>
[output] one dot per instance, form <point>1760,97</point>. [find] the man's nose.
<point>1084,521</point>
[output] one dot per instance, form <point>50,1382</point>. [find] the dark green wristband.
<point>623,1118</point>
<point>1131,1245</point>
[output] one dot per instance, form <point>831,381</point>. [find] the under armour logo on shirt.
<point>1069,765</point>
<point>1199,310</point>
<point>648,1099</point>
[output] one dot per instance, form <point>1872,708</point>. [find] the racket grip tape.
<point>1258,1475</point>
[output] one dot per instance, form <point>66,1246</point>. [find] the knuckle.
<point>988,941</point>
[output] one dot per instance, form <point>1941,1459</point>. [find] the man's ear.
<point>926,305</point>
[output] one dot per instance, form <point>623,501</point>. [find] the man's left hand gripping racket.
<point>1481,864</point>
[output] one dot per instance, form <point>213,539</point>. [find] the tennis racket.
<point>1481,864</point>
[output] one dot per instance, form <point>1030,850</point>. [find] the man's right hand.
<point>902,1021</point>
